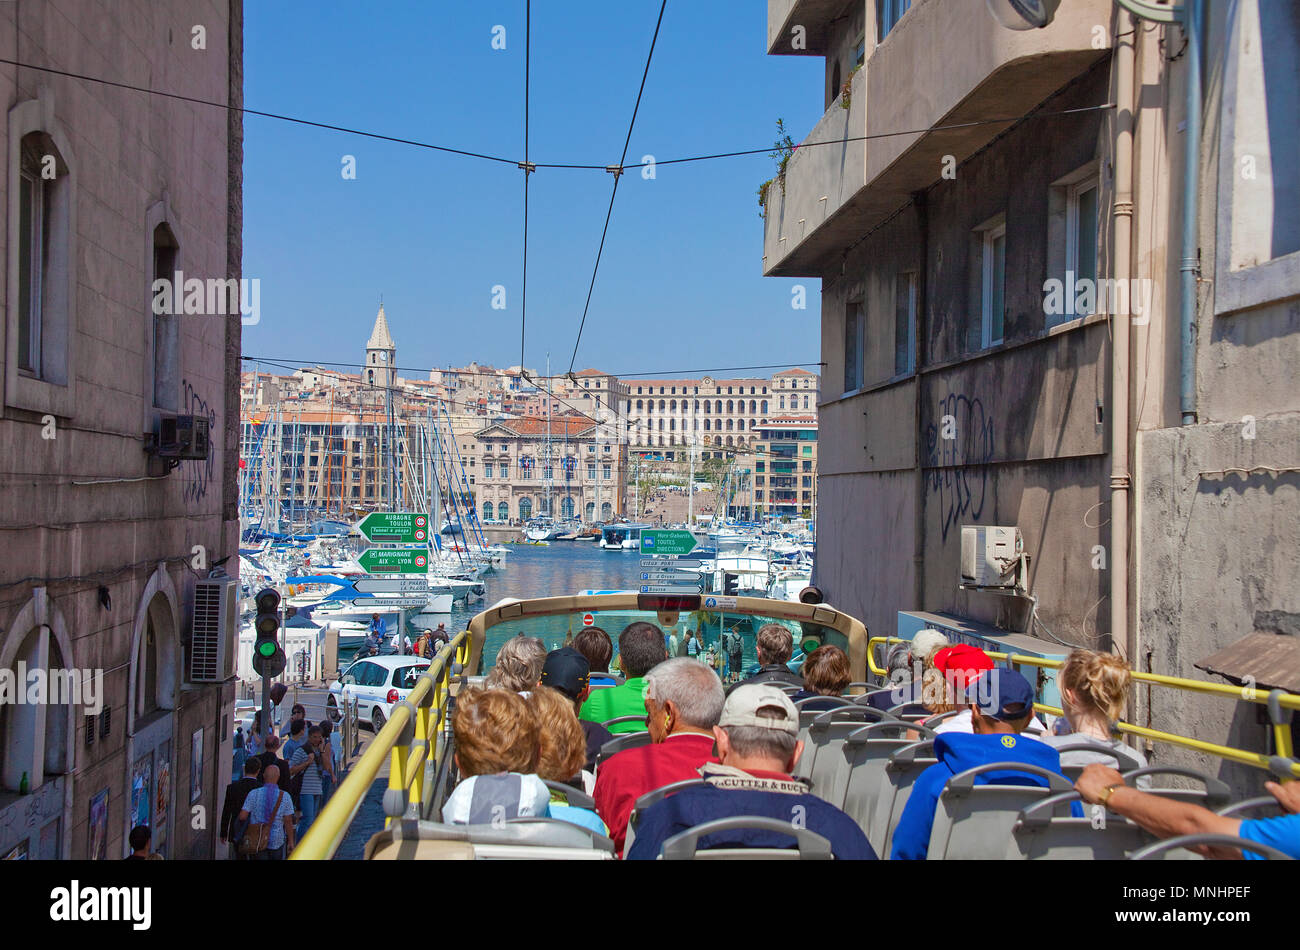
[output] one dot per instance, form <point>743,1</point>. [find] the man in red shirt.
<point>683,702</point>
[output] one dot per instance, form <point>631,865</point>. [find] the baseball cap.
<point>1007,695</point>
<point>742,706</point>
<point>567,670</point>
<point>962,664</point>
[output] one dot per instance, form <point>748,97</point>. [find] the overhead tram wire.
<point>536,165</point>
<point>528,170</point>
<point>618,174</point>
<point>665,374</point>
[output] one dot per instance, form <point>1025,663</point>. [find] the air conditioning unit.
<point>992,556</point>
<point>214,633</point>
<point>182,438</point>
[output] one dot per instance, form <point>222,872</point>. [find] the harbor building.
<point>1078,321</point>
<point>119,425</point>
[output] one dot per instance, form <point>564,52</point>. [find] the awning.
<point>1267,660</point>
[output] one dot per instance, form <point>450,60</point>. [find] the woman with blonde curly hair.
<point>518,666</point>
<point>1093,689</point>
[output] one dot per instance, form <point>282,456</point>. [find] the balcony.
<point>946,62</point>
<point>815,16</point>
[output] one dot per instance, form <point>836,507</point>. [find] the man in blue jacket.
<point>758,745</point>
<point>1007,704</point>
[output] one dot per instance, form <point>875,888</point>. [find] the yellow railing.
<point>409,739</point>
<point>1276,700</point>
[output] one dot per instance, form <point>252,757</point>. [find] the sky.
<point>680,284</point>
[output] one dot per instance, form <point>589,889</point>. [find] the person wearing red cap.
<point>960,674</point>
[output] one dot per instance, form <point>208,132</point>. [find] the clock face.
<point>383,357</point>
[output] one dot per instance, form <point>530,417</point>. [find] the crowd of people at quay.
<point>529,740</point>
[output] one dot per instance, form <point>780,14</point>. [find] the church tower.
<point>381,357</point>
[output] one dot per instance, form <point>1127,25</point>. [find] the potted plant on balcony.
<point>782,150</point>
<point>846,91</point>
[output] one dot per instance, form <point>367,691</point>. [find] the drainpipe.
<point>1193,25</point>
<point>1120,423</point>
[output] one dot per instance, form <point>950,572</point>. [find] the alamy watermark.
<point>1083,296</point>
<point>56,687</point>
<point>215,296</point>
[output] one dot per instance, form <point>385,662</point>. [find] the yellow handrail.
<point>406,769</point>
<point>1282,732</point>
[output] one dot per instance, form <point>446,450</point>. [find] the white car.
<point>376,683</point>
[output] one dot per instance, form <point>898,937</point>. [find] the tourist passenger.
<point>1005,710</point>
<point>497,745</point>
<point>640,649</point>
<point>560,759</point>
<point>826,675</point>
<point>1093,688</point>
<point>758,744</point>
<point>683,700</point>
<point>1169,818</point>
<point>308,763</point>
<point>233,803</point>
<point>775,643</point>
<point>962,672</point>
<point>567,670</point>
<point>518,666</point>
<point>271,804</point>
<point>908,664</point>
<point>595,645</point>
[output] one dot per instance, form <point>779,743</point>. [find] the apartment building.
<point>107,529</point>
<point>1021,331</point>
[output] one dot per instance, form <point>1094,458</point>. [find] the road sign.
<point>719,603</point>
<point>662,563</point>
<point>404,527</point>
<point>668,589</point>
<point>667,541</point>
<point>588,620</point>
<point>385,602</point>
<point>394,561</point>
<point>670,577</point>
<point>391,585</point>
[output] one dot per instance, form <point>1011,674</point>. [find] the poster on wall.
<point>163,785</point>
<point>141,787</point>
<point>17,853</point>
<point>196,765</point>
<point>98,848</point>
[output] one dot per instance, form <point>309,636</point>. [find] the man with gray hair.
<point>758,742</point>
<point>683,700</point>
<point>907,662</point>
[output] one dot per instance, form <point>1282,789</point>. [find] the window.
<point>904,324</point>
<point>854,318</point>
<point>888,13</point>
<point>503,511</point>
<point>487,472</point>
<point>166,326</point>
<point>591,471</point>
<point>993,284</point>
<point>606,473</point>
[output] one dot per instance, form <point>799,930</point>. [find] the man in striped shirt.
<point>308,760</point>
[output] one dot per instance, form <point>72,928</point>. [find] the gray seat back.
<point>652,797</point>
<point>886,805</point>
<point>1266,804</point>
<point>826,733</point>
<point>973,822</point>
<point>629,740</point>
<point>519,837</point>
<point>1157,850</point>
<point>862,760</point>
<point>1125,759</point>
<point>1046,830</point>
<point>1213,795</point>
<point>572,796</point>
<point>809,845</point>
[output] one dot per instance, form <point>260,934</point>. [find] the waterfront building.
<point>107,530</point>
<point>1014,332</point>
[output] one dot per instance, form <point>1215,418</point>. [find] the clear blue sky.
<point>680,284</point>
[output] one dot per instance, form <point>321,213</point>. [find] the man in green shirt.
<point>640,649</point>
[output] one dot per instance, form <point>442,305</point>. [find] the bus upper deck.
<point>859,758</point>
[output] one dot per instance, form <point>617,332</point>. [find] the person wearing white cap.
<point>758,744</point>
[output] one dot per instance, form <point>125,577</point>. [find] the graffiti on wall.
<point>200,471</point>
<point>958,447</point>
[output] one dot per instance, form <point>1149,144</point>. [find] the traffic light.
<point>730,585</point>
<point>268,657</point>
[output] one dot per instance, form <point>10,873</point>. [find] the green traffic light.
<point>267,648</point>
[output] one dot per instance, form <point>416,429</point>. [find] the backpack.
<point>257,837</point>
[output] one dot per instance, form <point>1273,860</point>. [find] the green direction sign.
<point>664,542</point>
<point>404,527</point>
<point>395,561</point>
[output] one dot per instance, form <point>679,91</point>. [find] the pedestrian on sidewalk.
<point>308,762</point>
<point>237,793</point>
<point>271,805</point>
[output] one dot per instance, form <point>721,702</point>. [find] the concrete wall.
<point>77,510</point>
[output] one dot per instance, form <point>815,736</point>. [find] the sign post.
<point>667,542</point>
<point>394,561</point>
<point>402,527</point>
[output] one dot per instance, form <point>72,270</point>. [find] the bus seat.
<point>809,845</point>
<point>540,838</point>
<point>1214,795</point>
<point>572,796</point>
<point>652,797</point>
<point>863,758</point>
<point>937,718</point>
<point>864,699</point>
<point>973,822</point>
<point>619,720</point>
<point>628,740</point>
<point>1045,830</point>
<point>1265,803</point>
<point>825,734</point>
<point>1156,851</point>
<point>902,770</point>
<point>1126,760</point>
